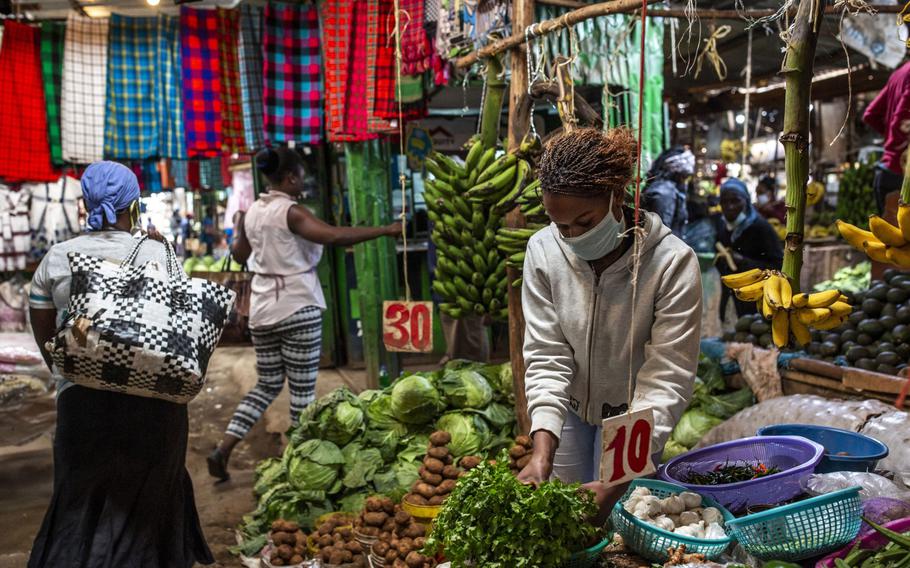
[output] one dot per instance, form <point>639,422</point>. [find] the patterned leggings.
<point>290,348</point>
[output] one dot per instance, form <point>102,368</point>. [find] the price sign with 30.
<point>627,447</point>
<point>407,326</point>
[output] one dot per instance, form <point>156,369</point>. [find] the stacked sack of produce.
<point>347,447</point>
<point>22,369</point>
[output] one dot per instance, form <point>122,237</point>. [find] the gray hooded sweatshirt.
<point>585,335</point>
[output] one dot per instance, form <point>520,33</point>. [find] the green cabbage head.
<point>415,399</point>
<point>314,465</point>
<point>466,389</point>
<point>470,432</point>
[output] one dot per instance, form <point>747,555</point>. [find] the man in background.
<point>889,115</point>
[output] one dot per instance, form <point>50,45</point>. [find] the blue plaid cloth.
<point>210,173</point>
<point>180,171</point>
<point>249,53</point>
<point>170,98</point>
<point>151,176</point>
<point>131,124</point>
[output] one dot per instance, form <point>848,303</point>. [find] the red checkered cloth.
<point>199,41</point>
<point>336,32</point>
<point>234,140</point>
<point>356,126</point>
<point>24,150</point>
<point>381,53</point>
<point>415,46</point>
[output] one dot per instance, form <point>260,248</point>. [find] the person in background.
<point>751,242</point>
<point>769,206</point>
<point>284,240</point>
<point>665,192</point>
<point>122,494</point>
<point>889,115</point>
<point>594,342</point>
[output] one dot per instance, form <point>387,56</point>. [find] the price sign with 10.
<point>627,447</point>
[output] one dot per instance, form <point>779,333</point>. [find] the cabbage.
<point>415,399</point>
<point>414,448</point>
<point>470,433</point>
<point>724,405</point>
<point>498,415</point>
<point>693,425</point>
<point>672,449</point>
<point>379,414</point>
<point>269,472</point>
<point>466,389</point>
<point>337,417</point>
<point>360,465</point>
<point>398,479</point>
<point>314,465</point>
<point>344,423</point>
<point>504,385</point>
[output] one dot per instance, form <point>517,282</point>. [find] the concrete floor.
<point>26,465</point>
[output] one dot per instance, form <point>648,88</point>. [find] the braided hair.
<point>588,162</point>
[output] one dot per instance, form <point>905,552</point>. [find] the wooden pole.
<point>548,26</point>
<point>798,70</point>
<point>522,17</point>
<point>680,14</point>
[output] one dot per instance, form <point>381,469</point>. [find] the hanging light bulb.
<point>153,2</point>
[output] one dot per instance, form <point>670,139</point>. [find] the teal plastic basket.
<point>651,542</point>
<point>588,558</point>
<point>801,530</point>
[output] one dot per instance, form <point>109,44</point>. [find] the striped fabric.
<point>52,35</point>
<point>356,127</point>
<point>24,153</point>
<point>290,348</point>
<point>84,86</point>
<point>232,112</point>
<point>201,81</point>
<point>171,137</point>
<point>131,121</point>
<point>293,82</point>
<point>250,56</point>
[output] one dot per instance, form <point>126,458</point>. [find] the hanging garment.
<point>52,35</point>
<point>24,152</point>
<point>356,102</point>
<point>199,40</point>
<point>131,122</point>
<point>84,87</point>
<point>15,235</point>
<point>210,173</point>
<point>415,47</point>
<point>380,61</point>
<point>385,102</point>
<point>336,33</point>
<point>53,214</point>
<point>250,57</point>
<point>232,113</point>
<point>180,173</point>
<point>171,138</point>
<point>293,81</point>
<point>151,175</point>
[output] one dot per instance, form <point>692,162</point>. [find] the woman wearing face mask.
<point>667,188</point>
<point>122,495</point>
<point>594,336</point>
<point>751,240</point>
<point>769,206</point>
<point>284,243</point>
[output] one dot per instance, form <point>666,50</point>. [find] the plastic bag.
<point>873,485</point>
<point>892,428</point>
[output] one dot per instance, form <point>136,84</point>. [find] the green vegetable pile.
<point>493,520</point>
<point>710,406</point>
<point>851,279</point>
<point>855,198</point>
<point>346,447</point>
<point>895,554</point>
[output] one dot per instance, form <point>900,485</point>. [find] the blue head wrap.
<point>738,188</point>
<point>107,187</point>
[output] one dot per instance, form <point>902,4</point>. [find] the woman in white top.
<point>283,242</point>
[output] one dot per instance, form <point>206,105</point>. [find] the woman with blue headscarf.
<point>122,495</point>
<point>752,242</point>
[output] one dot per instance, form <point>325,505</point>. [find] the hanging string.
<point>747,97</point>
<point>402,179</point>
<point>709,51</point>
<point>852,7</point>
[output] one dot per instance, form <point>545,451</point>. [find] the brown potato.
<point>325,540</point>
<point>450,472</point>
<point>337,557</point>
<point>448,460</point>
<point>433,479</point>
<point>440,438</point>
<point>391,555</point>
<point>446,487</point>
<point>278,526</point>
<point>285,551</point>
<point>524,461</point>
<point>470,462</point>
<point>523,441</point>
<point>387,536</point>
<point>373,504</point>
<point>291,527</point>
<point>354,547</point>
<point>517,452</point>
<point>296,559</point>
<point>375,519</point>
<point>380,548</point>
<point>326,528</point>
<point>326,553</point>
<point>371,531</point>
<point>436,500</point>
<point>416,499</point>
<point>434,465</point>
<point>301,550</point>
<point>278,561</point>
<point>414,560</point>
<point>402,518</point>
<point>438,452</point>
<point>416,530</point>
<point>389,524</point>
<point>300,538</point>
<point>420,542</point>
<point>388,506</point>
<point>399,563</point>
<point>346,534</point>
<point>426,491</point>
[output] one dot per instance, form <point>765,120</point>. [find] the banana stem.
<point>905,188</point>
<point>798,69</point>
<point>492,107</point>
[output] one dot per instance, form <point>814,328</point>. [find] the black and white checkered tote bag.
<point>144,330</point>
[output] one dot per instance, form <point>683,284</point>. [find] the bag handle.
<point>174,270</point>
<point>131,258</point>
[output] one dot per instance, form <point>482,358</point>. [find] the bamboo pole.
<point>522,17</point>
<point>680,14</point>
<point>905,188</point>
<point>491,112</point>
<point>797,70</point>
<point>548,26</point>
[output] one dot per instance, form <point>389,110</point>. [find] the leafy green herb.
<point>730,473</point>
<point>493,520</point>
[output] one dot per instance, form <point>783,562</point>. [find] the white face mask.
<point>739,219</point>
<point>763,199</point>
<point>600,240</point>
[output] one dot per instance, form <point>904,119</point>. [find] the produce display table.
<point>822,260</point>
<point>809,376</point>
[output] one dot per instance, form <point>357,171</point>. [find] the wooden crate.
<point>821,262</point>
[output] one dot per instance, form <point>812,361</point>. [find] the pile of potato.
<point>437,475</point>
<point>377,520</point>
<point>520,454</point>
<point>288,544</point>
<point>336,544</point>
<point>401,547</point>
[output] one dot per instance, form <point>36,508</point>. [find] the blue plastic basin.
<point>858,452</point>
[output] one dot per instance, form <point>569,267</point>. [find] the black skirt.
<point>122,495</point>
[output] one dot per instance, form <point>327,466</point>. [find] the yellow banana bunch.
<point>884,242</point>
<point>790,314</point>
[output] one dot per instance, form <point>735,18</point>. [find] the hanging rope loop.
<point>709,52</point>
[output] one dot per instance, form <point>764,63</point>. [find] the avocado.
<point>903,350</point>
<point>848,335</point>
<point>872,307</point>
<point>759,328</point>
<point>743,323</point>
<point>847,346</point>
<point>901,333</point>
<point>904,284</point>
<point>870,327</point>
<point>833,338</point>
<point>889,310</point>
<point>886,369</point>
<point>897,296</point>
<point>884,346</point>
<point>857,353</point>
<point>865,363</point>
<point>888,322</point>
<point>889,274</point>
<point>742,337</point>
<point>864,339</point>
<point>829,349</point>
<point>879,292</point>
<point>887,337</point>
<point>765,340</point>
<point>814,348</point>
<point>903,314</point>
<point>856,317</point>
<point>887,358</point>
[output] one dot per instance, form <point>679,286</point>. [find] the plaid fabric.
<point>84,86</point>
<point>151,175</point>
<point>180,171</point>
<point>250,56</point>
<point>336,33</point>
<point>52,34</point>
<point>293,82</point>
<point>24,152</point>
<point>377,13</point>
<point>232,112</point>
<point>199,40</point>
<point>192,175</point>
<point>356,126</point>
<point>171,137</point>
<point>131,122</point>
<point>384,106</point>
<point>210,174</point>
<point>415,47</point>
